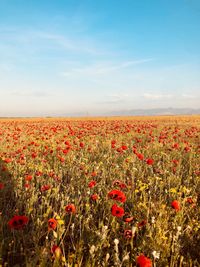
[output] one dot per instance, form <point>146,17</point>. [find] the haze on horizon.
<point>73,56</point>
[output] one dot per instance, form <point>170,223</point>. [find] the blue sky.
<point>70,56</point>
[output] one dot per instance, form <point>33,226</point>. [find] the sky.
<point>90,57</point>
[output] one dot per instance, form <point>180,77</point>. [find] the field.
<point>100,192</point>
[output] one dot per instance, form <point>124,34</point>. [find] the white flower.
<point>92,250</point>
<point>116,241</point>
<point>107,257</point>
<point>153,219</point>
<point>156,254</point>
<point>179,228</point>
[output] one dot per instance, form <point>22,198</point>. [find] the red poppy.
<point>175,205</point>
<point>93,174</point>
<point>28,177</point>
<point>18,222</point>
<point>189,200</point>
<point>92,184</point>
<point>27,185</point>
<point>142,223</point>
<point>45,188</point>
<point>140,156</point>
<point>8,160</point>
<point>127,218</point>
<point>52,224</point>
<point>94,197</point>
<point>70,208</point>
<point>150,161</point>
<point>143,261</point>
<point>117,211</point>
<point>128,234</point>
<point>124,147</point>
<point>117,195</point>
<point>1,185</point>
<point>56,250</point>
<point>82,144</point>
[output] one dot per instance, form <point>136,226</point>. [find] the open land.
<point>118,191</point>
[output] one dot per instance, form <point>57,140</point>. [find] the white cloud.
<point>189,96</point>
<point>157,96</point>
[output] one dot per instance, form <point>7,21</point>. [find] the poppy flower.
<point>140,156</point>
<point>1,185</point>
<point>128,234</point>
<point>93,174</point>
<point>117,195</point>
<point>94,197</point>
<point>18,222</point>
<point>70,208</point>
<point>117,211</point>
<point>142,223</point>
<point>127,218</point>
<point>116,183</point>
<point>150,161</point>
<point>82,144</point>
<point>28,177</point>
<point>92,184</point>
<point>27,185</point>
<point>175,205</point>
<point>143,261</point>
<point>52,224</point>
<point>56,250</point>
<point>8,160</point>
<point>189,200</point>
<point>45,188</point>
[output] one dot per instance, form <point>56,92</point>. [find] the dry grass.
<point>65,155</point>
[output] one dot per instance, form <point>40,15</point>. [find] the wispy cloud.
<point>114,99</point>
<point>30,93</point>
<point>99,68</point>
<point>36,38</point>
<point>157,96</point>
<point>189,96</point>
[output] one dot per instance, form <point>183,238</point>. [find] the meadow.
<point>100,192</point>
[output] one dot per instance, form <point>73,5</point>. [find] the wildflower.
<point>28,177</point>
<point>52,224</point>
<point>92,183</point>
<point>82,144</point>
<point>143,261</point>
<point>117,211</point>
<point>92,250</point>
<point>142,223</point>
<point>153,219</point>
<point>189,200</point>
<point>127,218</point>
<point>8,160</point>
<point>27,185</point>
<point>1,185</point>
<point>156,254</point>
<point>117,195</point>
<point>70,208</point>
<point>45,188</point>
<point>94,197</point>
<point>18,222</point>
<point>150,161</point>
<point>56,250</point>
<point>140,156</point>
<point>128,234</point>
<point>175,205</point>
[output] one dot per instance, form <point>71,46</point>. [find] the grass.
<point>47,164</point>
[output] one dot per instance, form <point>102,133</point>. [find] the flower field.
<point>100,192</point>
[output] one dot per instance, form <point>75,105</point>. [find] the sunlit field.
<point>100,192</point>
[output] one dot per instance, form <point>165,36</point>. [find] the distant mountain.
<point>155,112</point>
